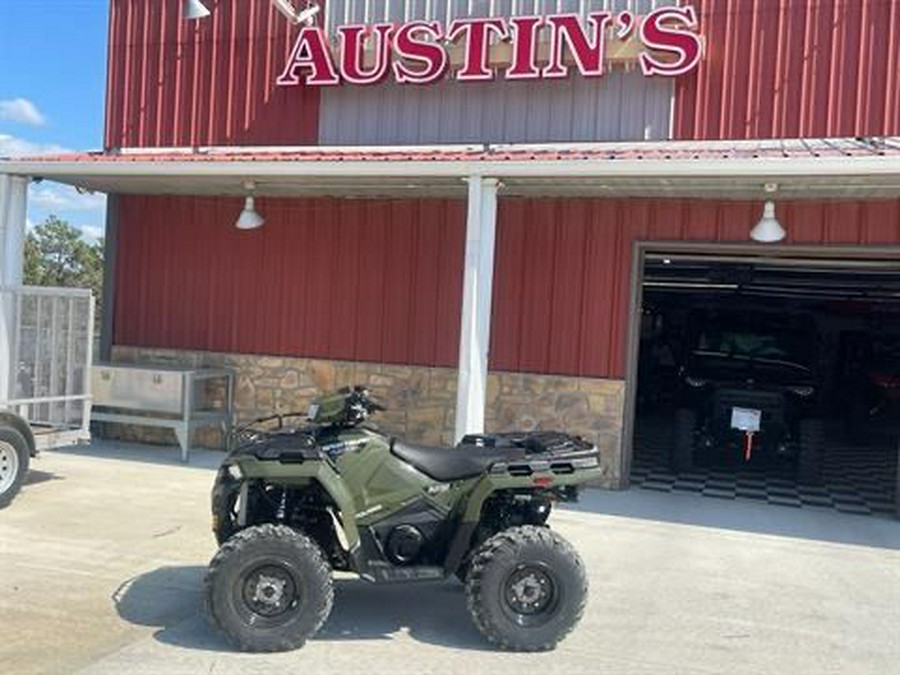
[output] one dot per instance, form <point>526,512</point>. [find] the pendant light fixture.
<point>249,219</point>
<point>306,16</point>
<point>195,9</point>
<point>768,230</point>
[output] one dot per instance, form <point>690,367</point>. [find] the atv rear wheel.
<point>14,460</point>
<point>683,440</point>
<point>526,589</point>
<point>812,451</point>
<point>269,589</point>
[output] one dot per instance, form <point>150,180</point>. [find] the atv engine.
<point>409,536</point>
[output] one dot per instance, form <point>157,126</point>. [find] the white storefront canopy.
<point>745,170</point>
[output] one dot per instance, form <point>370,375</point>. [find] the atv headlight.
<point>695,382</point>
<point>229,472</point>
<point>802,392</point>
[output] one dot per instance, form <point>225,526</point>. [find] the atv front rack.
<point>261,428</point>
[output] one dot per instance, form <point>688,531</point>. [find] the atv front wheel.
<point>269,589</point>
<point>526,589</point>
<point>14,460</point>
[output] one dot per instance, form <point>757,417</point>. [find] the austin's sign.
<point>664,42</point>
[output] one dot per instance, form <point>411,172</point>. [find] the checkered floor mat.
<point>858,480</point>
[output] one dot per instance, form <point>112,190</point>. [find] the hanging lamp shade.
<point>768,230</point>
<point>306,15</point>
<point>195,9</point>
<point>249,219</point>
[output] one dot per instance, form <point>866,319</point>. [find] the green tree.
<point>56,255</point>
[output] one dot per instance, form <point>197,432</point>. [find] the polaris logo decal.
<point>370,511</point>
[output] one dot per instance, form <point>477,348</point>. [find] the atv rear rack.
<point>534,442</point>
<point>560,468</point>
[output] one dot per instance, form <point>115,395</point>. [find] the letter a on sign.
<point>310,53</point>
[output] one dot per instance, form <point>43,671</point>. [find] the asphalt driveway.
<point>103,553</point>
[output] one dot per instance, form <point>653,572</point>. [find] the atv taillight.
<point>542,481</point>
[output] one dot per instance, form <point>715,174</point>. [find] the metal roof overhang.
<point>850,169</point>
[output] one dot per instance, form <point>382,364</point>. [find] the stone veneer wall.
<point>421,400</point>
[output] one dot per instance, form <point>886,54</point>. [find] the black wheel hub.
<point>270,591</point>
<point>530,592</point>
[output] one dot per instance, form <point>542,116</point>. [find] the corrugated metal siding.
<point>381,280</point>
<point>350,280</point>
<point>793,68</point>
<point>562,284</point>
<point>620,106</point>
<point>212,82</point>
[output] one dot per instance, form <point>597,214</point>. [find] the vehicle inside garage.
<point>770,378</point>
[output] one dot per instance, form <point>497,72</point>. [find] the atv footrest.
<point>385,574</point>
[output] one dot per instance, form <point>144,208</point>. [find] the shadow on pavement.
<point>813,524</point>
<point>433,612</point>
<point>165,455</point>
<point>170,598</point>
<point>36,477</point>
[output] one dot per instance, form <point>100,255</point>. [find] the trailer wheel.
<point>14,459</point>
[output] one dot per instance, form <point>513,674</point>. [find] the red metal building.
<point>372,261</point>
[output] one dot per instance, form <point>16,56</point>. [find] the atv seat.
<point>449,464</point>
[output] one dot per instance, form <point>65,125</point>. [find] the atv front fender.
<point>298,475</point>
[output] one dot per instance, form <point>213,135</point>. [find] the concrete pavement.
<point>103,553</point>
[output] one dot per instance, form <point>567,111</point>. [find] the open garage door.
<point>770,378</point>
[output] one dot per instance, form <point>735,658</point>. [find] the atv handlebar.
<point>359,405</point>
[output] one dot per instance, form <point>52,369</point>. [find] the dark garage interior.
<point>770,378</point>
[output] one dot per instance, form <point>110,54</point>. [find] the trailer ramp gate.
<point>51,353</point>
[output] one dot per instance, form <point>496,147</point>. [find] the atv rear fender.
<point>496,482</point>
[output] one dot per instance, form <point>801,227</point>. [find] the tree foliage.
<point>56,255</point>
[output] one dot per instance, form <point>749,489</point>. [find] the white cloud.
<point>56,197</point>
<point>11,146</point>
<point>23,111</point>
<point>92,232</point>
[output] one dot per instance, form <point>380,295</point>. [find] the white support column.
<point>475,333</point>
<point>13,212</point>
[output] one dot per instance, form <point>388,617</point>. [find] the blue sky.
<point>52,81</point>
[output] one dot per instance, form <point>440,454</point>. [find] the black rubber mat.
<point>856,479</point>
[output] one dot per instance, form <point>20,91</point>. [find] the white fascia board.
<point>618,168</point>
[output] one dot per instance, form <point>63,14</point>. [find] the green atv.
<point>293,503</point>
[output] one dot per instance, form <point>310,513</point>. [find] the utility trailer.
<point>45,398</point>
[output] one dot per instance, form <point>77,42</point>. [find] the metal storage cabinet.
<point>167,397</point>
